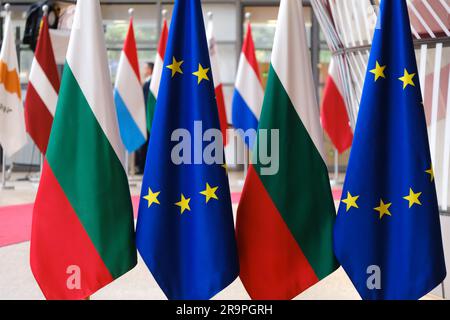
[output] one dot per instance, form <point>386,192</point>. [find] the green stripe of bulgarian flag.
<point>92,177</point>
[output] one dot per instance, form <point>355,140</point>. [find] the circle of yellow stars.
<point>184,203</point>
<point>210,192</point>
<point>175,66</point>
<point>412,197</point>
<point>378,73</point>
<point>151,197</point>
<point>201,73</point>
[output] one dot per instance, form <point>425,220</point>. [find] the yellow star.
<point>350,201</point>
<point>183,204</point>
<point>378,71</point>
<point>175,66</point>
<point>407,79</point>
<point>152,197</point>
<point>209,193</point>
<point>201,73</point>
<point>225,167</point>
<point>431,173</point>
<point>413,197</point>
<point>383,209</point>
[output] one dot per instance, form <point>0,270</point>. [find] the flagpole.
<point>7,8</point>
<point>336,166</point>
<point>4,178</point>
<point>45,12</point>
<point>3,150</point>
<point>248,15</point>
<point>126,163</point>
<point>130,171</point>
<point>41,166</point>
<point>210,15</point>
<point>246,158</point>
<point>3,170</point>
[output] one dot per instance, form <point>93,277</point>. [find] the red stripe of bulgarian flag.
<point>285,221</point>
<point>82,231</point>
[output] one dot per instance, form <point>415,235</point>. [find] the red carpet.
<point>15,224</point>
<point>15,221</point>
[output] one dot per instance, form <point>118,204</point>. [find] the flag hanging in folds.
<point>248,92</point>
<point>185,231</point>
<point>42,91</point>
<point>218,88</point>
<point>334,114</point>
<point>285,220</point>
<point>12,124</point>
<point>82,231</point>
<point>387,233</point>
<point>129,97</point>
<point>156,76</point>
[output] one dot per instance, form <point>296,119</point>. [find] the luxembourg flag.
<point>129,97</point>
<point>248,93</point>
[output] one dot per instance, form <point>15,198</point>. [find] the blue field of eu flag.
<point>185,230</point>
<point>387,233</point>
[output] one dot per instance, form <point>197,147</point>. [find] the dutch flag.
<point>248,93</point>
<point>129,96</point>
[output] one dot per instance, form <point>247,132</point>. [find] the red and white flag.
<point>42,92</point>
<point>157,74</point>
<point>218,88</point>
<point>333,112</point>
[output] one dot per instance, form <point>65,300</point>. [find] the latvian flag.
<point>42,92</point>
<point>218,88</point>
<point>248,94</point>
<point>129,97</point>
<point>156,76</point>
<point>333,114</point>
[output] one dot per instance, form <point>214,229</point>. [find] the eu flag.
<point>387,233</point>
<point>185,229</point>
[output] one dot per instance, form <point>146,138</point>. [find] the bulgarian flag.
<point>333,113</point>
<point>285,221</point>
<point>218,87</point>
<point>42,92</point>
<point>82,230</point>
<point>156,76</point>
